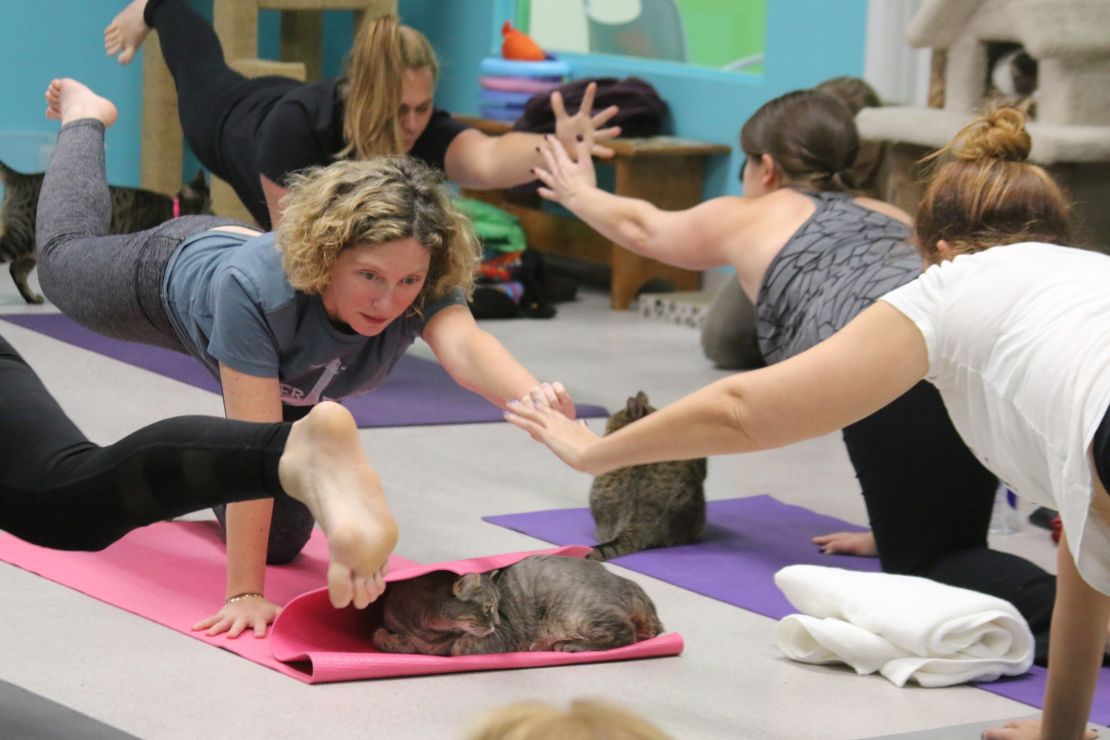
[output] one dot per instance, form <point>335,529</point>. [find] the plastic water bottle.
<point>1004,517</point>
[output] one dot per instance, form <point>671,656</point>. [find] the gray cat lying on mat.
<point>133,209</point>
<point>543,602</point>
<point>656,505</point>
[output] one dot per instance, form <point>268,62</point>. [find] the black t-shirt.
<point>305,129</point>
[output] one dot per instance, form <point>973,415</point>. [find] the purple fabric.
<point>747,541</point>
<point>418,392</point>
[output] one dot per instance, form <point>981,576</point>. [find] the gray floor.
<point>731,682</point>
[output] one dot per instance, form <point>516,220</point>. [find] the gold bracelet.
<point>243,596</point>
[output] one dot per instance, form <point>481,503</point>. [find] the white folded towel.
<point>905,627</point>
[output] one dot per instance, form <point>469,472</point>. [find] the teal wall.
<point>806,41</point>
<point>68,44</point>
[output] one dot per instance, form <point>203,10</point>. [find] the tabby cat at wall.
<point>133,209</point>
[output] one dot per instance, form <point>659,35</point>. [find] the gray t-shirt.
<point>230,302</point>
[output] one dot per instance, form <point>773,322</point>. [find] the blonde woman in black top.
<point>255,132</point>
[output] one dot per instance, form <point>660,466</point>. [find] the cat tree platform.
<point>1071,132</point>
<point>236,24</point>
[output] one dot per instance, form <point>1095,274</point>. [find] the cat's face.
<point>474,608</point>
<point>193,198</point>
<point>636,408</point>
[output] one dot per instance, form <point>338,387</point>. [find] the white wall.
<point>899,72</point>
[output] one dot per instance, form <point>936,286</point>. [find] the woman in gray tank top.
<point>810,255</point>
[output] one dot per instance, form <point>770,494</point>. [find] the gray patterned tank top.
<point>841,260</point>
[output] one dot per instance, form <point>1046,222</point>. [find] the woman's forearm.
<point>629,222</point>
<point>869,363</point>
<point>487,368</point>
<point>1076,645</point>
<point>248,533</point>
<point>257,399</point>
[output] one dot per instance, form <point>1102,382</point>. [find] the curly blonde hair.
<point>986,194</point>
<point>585,719</point>
<point>374,201</point>
<point>383,50</point>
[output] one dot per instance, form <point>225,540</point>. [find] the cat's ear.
<point>465,584</point>
<point>638,405</point>
<point>199,182</point>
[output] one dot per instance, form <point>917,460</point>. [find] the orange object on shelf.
<point>519,46</point>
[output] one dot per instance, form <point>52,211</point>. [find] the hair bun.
<point>997,134</point>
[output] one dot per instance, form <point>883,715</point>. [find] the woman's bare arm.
<point>868,364</point>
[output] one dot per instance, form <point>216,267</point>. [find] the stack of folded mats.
<point>503,244</point>
<point>904,627</point>
<point>507,84</point>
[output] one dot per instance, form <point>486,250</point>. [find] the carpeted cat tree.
<point>1070,42</point>
<point>236,23</point>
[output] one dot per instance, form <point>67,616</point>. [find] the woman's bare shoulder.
<point>885,208</point>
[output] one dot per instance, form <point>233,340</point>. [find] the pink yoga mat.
<point>173,573</point>
<point>328,646</point>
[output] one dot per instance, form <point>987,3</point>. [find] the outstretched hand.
<point>1023,729</point>
<point>568,439</point>
<point>562,177</point>
<point>861,544</point>
<point>551,395</point>
<point>584,125</point>
<point>237,617</point>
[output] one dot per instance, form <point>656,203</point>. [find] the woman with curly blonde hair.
<point>256,132</point>
<point>371,255</point>
<point>1011,328</point>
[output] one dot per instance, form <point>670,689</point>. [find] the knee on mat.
<point>287,539</point>
<point>284,551</point>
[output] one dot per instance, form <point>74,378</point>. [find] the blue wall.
<point>69,44</point>
<point>807,41</point>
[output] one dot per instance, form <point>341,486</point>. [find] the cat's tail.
<point>612,549</point>
<point>629,540</point>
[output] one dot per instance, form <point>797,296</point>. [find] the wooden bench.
<point>663,170</point>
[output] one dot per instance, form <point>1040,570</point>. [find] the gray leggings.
<point>112,284</point>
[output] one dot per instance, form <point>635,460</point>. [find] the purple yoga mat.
<point>418,392</point>
<point>746,542</point>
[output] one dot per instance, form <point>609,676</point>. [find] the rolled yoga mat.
<point>746,542</point>
<point>418,392</point>
<point>173,573</point>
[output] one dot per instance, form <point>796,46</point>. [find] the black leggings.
<point>929,504</point>
<point>1100,449</point>
<point>221,111</point>
<point>59,490</point>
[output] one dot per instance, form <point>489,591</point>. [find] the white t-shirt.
<point>1018,339</point>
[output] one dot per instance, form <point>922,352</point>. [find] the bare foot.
<point>127,31</point>
<point>861,544</point>
<point>324,468</point>
<point>68,100</point>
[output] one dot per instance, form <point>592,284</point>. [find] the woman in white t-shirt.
<point>1017,341</point>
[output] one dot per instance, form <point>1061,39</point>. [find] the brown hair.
<point>857,95</point>
<point>382,52</point>
<point>347,203</point>
<point>986,194</point>
<point>810,135</point>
